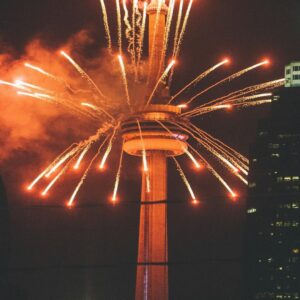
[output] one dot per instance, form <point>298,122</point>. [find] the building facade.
<point>272,247</point>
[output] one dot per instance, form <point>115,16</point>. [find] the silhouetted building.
<point>272,249</point>
<point>4,239</point>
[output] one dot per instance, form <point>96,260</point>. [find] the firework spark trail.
<point>193,159</point>
<point>229,78</point>
<point>253,103</point>
<point>82,155</point>
<point>40,70</point>
<point>32,95</point>
<point>14,85</point>
<point>167,34</point>
<point>82,73</point>
<point>86,104</point>
<point>128,31</point>
<point>133,20</point>
<point>124,76</point>
<point>142,34</point>
<point>31,86</point>
<point>188,153</point>
<point>72,198</point>
<point>184,24</point>
<point>228,159</point>
<point>117,181</point>
<point>162,77</point>
<point>119,20</point>
<point>240,161</point>
<point>244,92</point>
<point>106,25</point>
<point>62,161</point>
<point>178,23</point>
<point>227,103</point>
<point>176,35</point>
<point>49,75</point>
<point>41,175</point>
<point>71,152</point>
<point>145,163</point>
<point>152,50</point>
<point>185,180</point>
<point>56,178</point>
<point>108,149</point>
<point>219,177</point>
<point>199,78</point>
<point>225,162</point>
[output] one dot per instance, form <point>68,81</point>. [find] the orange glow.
<point>226,60</point>
<point>266,62</point>
<point>195,202</point>
<point>70,204</point>
<point>182,105</point>
<point>233,196</point>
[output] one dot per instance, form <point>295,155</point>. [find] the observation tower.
<point>145,133</point>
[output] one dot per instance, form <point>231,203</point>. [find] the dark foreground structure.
<point>272,247</point>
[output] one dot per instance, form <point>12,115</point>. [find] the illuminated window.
<point>287,178</point>
<point>252,185</point>
<point>275,155</point>
<point>251,210</point>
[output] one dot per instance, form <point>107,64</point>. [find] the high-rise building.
<point>272,252</point>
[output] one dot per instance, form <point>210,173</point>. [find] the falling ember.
<point>37,179</point>
<point>187,184</point>
<point>61,162</point>
<point>193,159</point>
<point>81,157</point>
<point>124,76</point>
<point>54,180</point>
<point>72,199</point>
<point>117,181</point>
<point>89,105</point>
<point>108,149</point>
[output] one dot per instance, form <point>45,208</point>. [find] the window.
<point>296,77</point>
<point>251,210</point>
<point>296,68</point>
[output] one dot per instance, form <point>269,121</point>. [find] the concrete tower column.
<point>152,271</point>
<point>157,25</point>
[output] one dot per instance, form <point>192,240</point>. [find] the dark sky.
<point>58,254</point>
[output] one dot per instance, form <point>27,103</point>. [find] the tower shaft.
<point>152,270</point>
<point>157,25</point>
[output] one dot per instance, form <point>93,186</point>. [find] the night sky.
<point>61,254</point>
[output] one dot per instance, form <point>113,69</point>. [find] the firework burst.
<point>134,74</point>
